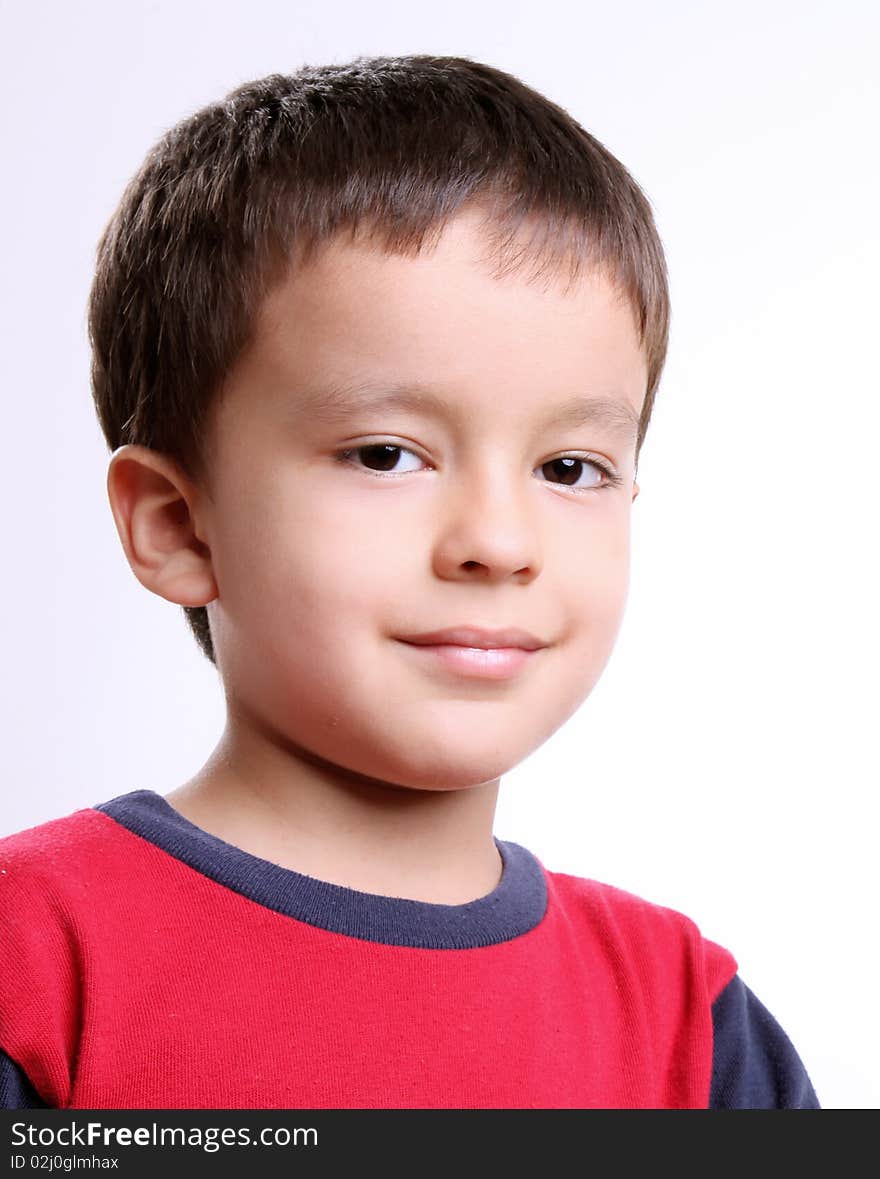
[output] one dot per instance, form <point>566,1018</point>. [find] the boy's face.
<point>466,518</point>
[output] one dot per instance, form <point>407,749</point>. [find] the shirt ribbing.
<point>514,907</point>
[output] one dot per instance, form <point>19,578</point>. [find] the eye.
<point>569,468</point>
<point>382,458</point>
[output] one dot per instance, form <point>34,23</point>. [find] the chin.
<point>449,773</point>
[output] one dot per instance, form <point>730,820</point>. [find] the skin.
<point>346,755</point>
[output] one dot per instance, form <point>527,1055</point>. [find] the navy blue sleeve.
<point>754,1064</point>
<point>16,1091</point>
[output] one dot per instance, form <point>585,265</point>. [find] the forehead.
<point>440,329</point>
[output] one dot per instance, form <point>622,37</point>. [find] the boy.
<point>375,348</point>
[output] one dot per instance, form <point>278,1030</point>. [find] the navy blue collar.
<point>514,907</point>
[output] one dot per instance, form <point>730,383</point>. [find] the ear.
<point>152,504</point>
<point>635,490</point>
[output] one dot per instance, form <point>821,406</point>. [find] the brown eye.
<point>380,457</point>
<point>383,458</point>
<point>568,469</point>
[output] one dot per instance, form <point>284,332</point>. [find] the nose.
<point>487,528</point>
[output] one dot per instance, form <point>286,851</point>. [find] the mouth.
<point>478,638</point>
<point>486,663</point>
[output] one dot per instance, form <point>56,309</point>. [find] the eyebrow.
<point>333,404</point>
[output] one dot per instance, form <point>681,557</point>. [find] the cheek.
<point>313,560</point>
<point>593,593</point>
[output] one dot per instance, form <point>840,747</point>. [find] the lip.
<point>485,663</point>
<point>477,638</point>
<point>477,652</point>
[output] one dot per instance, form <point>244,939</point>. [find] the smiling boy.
<point>376,347</point>
<point>374,480</point>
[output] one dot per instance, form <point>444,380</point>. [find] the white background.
<point>726,763</point>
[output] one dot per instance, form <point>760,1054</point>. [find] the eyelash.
<point>611,479</point>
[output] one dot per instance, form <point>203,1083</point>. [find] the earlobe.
<point>151,502</point>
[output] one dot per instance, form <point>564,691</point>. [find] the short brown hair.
<point>393,146</point>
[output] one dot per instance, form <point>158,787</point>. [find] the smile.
<point>475,662</point>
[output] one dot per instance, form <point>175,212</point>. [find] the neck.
<point>287,806</point>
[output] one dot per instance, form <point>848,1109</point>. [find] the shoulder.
<point>656,941</point>
<point>48,875</point>
<point>54,843</point>
<point>665,957</point>
<point>47,852</point>
<point>60,883</point>
<point>46,896</point>
<point>616,905</point>
<point>55,863</point>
